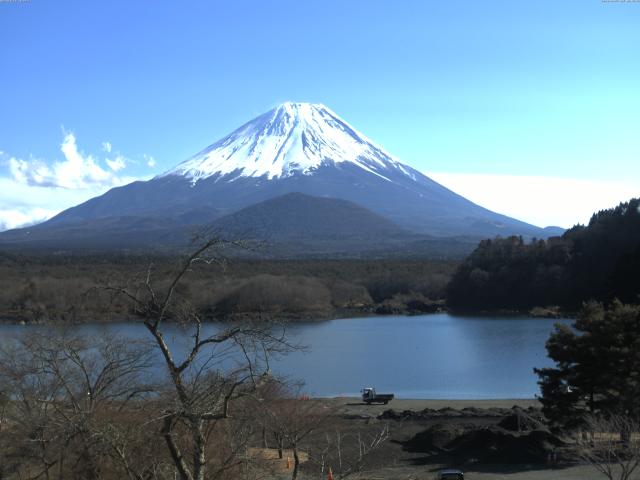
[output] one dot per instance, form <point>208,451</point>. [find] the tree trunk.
<point>199,450</point>
<point>279,443</point>
<point>61,463</point>
<point>625,437</point>
<point>176,455</point>
<point>296,462</point>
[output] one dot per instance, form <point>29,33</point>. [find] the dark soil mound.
<point>519,421</point>
<point>396,415</point>
<point>435,438</point>
<point>490,445</point>
<point>447,412</point>
<point>476,412</point>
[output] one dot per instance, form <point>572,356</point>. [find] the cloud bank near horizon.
<point>76,171</point>
<point>35,190</point>
<point>539,200</point>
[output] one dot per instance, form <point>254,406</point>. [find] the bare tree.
<point>218,367</point>
<point>72,402</point>
<point>312,427</point>
<point>65,393</point>
<point>348,453</point>
<point>612,446</point>
<point>291,420</point>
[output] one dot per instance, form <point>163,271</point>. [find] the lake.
<point>437,356</point>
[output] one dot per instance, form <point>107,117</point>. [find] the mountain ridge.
<point>295,147</point>
<point>293,225</point>
<point>296,215</point>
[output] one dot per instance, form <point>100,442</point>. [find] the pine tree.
<point>597,367</point>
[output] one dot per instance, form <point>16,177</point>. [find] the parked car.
<point>450,474</point>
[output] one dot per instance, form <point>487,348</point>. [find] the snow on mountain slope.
<point>293,138</point>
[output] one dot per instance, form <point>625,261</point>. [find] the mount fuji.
<point>294,148</point>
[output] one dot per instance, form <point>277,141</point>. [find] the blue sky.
<point>484,95</point>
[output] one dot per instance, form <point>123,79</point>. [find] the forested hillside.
<point>71,288</point>
<point>599,261</point>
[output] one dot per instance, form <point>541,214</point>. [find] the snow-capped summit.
<point>293,138</point>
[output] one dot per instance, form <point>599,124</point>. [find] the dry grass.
<point>276,464</point>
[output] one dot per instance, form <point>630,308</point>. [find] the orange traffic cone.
<point>288,463</point>
<point>330,476</point>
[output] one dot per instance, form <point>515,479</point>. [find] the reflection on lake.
<point>430,356</point>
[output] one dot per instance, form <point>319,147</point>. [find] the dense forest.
<point>74,288</point>
<point>599,261</point>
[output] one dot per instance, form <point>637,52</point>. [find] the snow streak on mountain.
<point>293,138</point>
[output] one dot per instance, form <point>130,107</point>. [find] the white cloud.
<point>22,204</point>
<point>540,200</point>
<point>151,162</point>
<point>76,171</point>
<point>106,147</point>
<point>14,218</point>
<point>117,163</point>
<point>36,190</point>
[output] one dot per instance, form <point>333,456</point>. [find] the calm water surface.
<point>430,356</point>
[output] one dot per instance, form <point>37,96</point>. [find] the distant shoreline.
<point>290,317</point>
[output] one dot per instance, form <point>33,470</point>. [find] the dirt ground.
<point>354,406</point>
<point>392,461</point>
<point>523,472</point>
